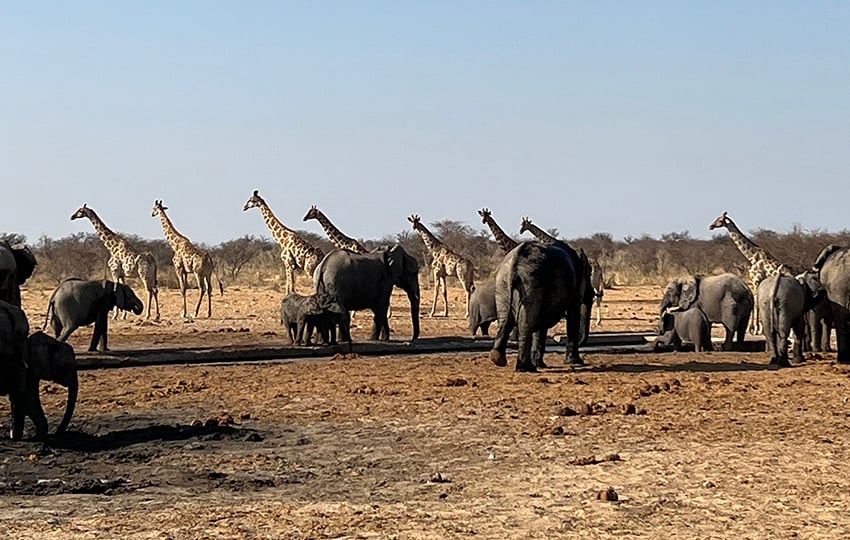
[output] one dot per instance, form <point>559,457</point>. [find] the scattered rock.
<point>457,382</point>
<point>611,457</point>
<point>708,484</point>
<point>557,430</point>
<point>629,409</point>
<point>565,411</point>
<point>253,437</point>
<point>196,423</point>
<point>607,495</point>
<point>245,416</point>
<point>586,409</point>
<point>211,423</point>
<point>544,380</point>
<point>438,478</point>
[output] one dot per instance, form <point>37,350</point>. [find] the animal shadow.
<point>85,442</point>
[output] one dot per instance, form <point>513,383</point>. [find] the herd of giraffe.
<point>298,254</point>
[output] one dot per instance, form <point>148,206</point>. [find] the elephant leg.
<point>485,329</point>
<point>524,342</point>
<point>842,338</point>
<point>506,326</point>
<point>572,355</point>
<point>65,332</point>
<point>755,316</point>
<point>34,409</point>
<point>538,348</point>
<point>99,333</point>
<point>800,335</point>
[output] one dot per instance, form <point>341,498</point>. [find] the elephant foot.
<point>574,360</point>
<point>540,363</point>
<point>498,358</point>
<point>526,368</point>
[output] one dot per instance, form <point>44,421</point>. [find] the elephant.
<point>724,299</point>
<point>318,311</point>
<point>482,308</point>
<point>24,361</point>
<point>537,285</point>
<point>17,264</point>
<point>783,302</point>
<point>833,268</point>
<point>77,303</point>
<point>689,325</point>
<point>365,281</point>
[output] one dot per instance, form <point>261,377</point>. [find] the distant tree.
<point>232,256</point>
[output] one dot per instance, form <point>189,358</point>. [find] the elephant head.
<point>815,291</point>
<point>680,294</point>
<point>52,360</point>
<point>126,299</point>
<point>17,264</point>
<point>25,263</point>
<point>404,271</point>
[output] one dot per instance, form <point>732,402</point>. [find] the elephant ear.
<point>312,306</point>
<point>690,289</point>
<point>25,263</point>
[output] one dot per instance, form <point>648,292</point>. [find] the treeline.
<point>644,260</point>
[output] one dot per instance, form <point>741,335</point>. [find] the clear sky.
<point>626,117</point>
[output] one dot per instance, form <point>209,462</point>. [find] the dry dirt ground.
<point>431,446</point>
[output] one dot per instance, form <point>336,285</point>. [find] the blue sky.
<point>619,117</point>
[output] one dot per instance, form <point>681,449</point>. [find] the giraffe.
<point>505,242</point>
<point>596,277</point>
<point>188,259</point>
<point>295,252</point>
<point>124,260</point>
<point>336,236</point>
<point>444,263</point>
<point>762,263</point>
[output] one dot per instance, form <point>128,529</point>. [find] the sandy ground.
<point>711,445</point>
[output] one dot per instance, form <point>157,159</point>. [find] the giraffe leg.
<point>201,286</point>
<point>181,278</point>
<point>444,281</point>
<point>209,295</point>
<point>290,278</point>
<point>436,292</point>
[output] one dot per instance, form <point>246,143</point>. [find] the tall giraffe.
<point>124,260</point>
<point>597,280</point>
<point>505,242</point>
<point>444,263</point>
<point>295,252</point>
<point>762,263</point>
<point>336,236</point>
<point>188,259</point>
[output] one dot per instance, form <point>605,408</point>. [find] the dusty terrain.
<point>434,446</point>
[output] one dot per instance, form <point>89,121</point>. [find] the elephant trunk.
<point>414,313</point>
<point>73,387</point>
<point>584,324</point>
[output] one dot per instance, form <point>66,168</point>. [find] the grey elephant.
<point>321,312</point>
<point>75,303</point>
<point>688,325</point>
<point>537,285</point>
<point>833,269</point>
<point>724,299</point>
<point>17,264</point>
<point>818,321</point>
<point>482,308</point>
<point>26,360</point>
<point>783,302</point>
<point>365,281</point>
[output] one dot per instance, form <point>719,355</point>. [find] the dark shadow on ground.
<point>84,442</point>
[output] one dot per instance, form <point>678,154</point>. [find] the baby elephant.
<point>482,308</point>
<point>689,325</point>
<point>77,303</point>
<point>323,312</point>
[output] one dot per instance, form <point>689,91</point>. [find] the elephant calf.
<point>77,303</point>
<point>689,325</point>
<point>482,308</point>
<point>323,312</point>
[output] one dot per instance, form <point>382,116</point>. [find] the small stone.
<point>245,416</point>
<point>558,430</point>
<point>607,495</point>
<point>457,382</point>
<point>708,484</point>
<point>611,457</point>
<point>586,410</point>
<point>211,423</point>
<point>565,411</point>
<point>253,437</point>
<point>196,423</point>
<point>438,478</point>
<point>629,409</point>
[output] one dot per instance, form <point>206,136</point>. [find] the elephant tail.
<point>50,311</point>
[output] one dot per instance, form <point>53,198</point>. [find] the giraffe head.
<point>82,212</point>
<point>721,221</point>
<point>415,220</point>
<point>312,213</point>
<point>158,208</point>
<point>525,225</point>
<point>484,213</point>
<point>254,202</point>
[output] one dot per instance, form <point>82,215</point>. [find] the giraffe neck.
<point>746,246</point>
<point>505,242</point>
<point>430,240</point>
<point>540,234</point>
<point>110,239</point>
<point>279,231</point>
<point>174,238</point>
<point>336,236</point>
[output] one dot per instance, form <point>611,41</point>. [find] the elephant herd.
<point>810,305</point>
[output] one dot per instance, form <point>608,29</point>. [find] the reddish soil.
<point>704,445</point>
